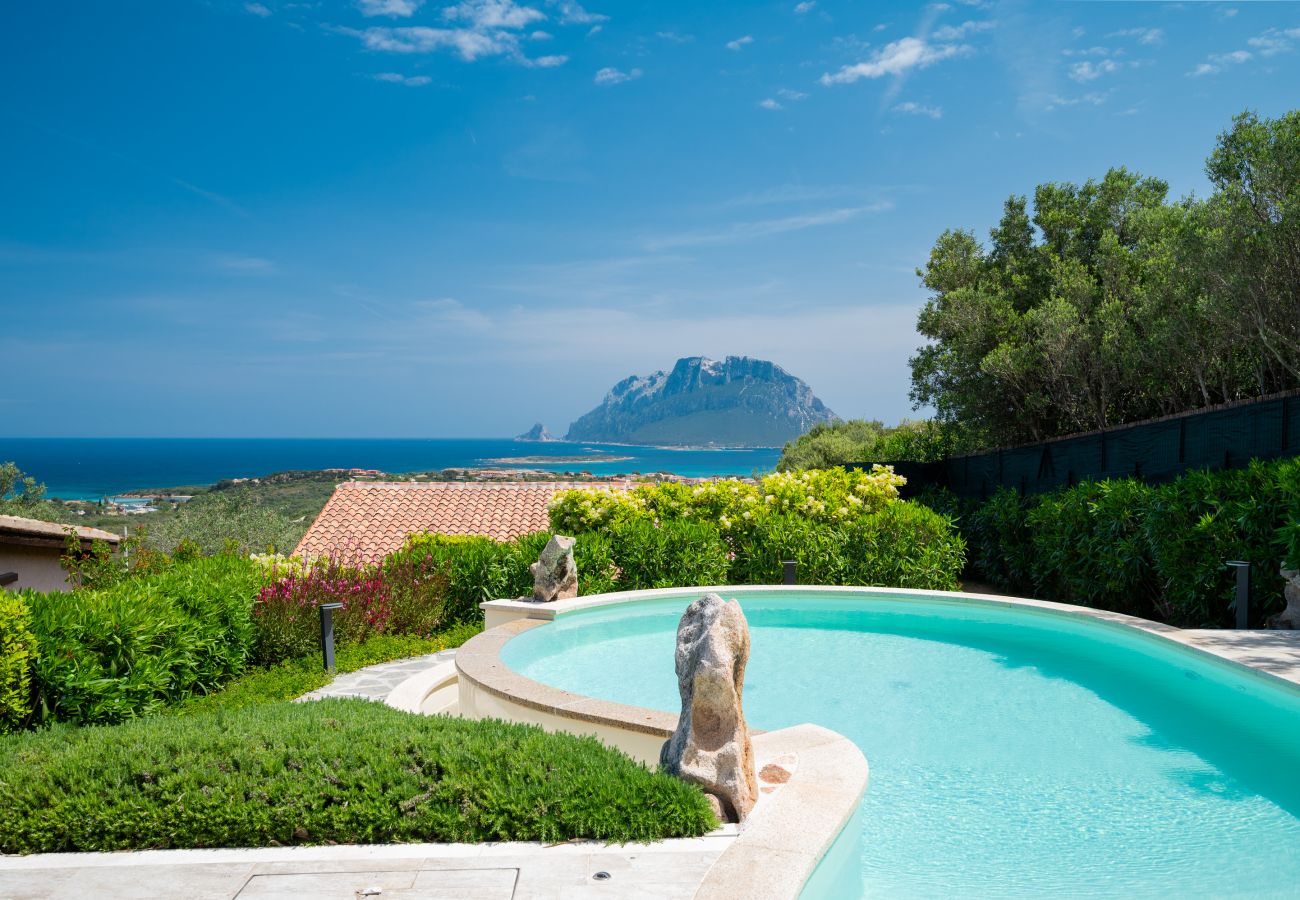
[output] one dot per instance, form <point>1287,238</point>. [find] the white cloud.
<point>1086,51</point>
<point>1088,71</point>
<point>741,232</point>
<point>740,42</point>
<point>674,37</point>
<point>788,94</point>
<point>895,59</point>
<point>917,109</point>
<point>1143,35</point>
<point>484,15</point>
<point>399,78</point>
<point>257,9</point>
<point>573,14</point>
<point>1090,99</point>
<point>479,28</point>
<point>610,75</point>
<point>1274,41</point>
<point>769,103</point>
<point>1204,69</point>
<point>540,36</point>
<point>398,9</point>
<point>958,32</point>
<point>804,7</point>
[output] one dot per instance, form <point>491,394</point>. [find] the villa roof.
<point>364,521</point>
<point>35,533</point>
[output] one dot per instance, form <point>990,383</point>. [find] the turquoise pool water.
<point>1013,753</point>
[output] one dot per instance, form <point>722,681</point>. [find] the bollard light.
<point>327,633</point>
<point>788,575</point>
<point>1243,591</point>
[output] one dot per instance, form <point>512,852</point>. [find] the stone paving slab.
<point>377,682</point>
<point>1275,652</point>
<point>518,871</point>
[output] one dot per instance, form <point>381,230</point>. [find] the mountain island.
<point>739,402</point>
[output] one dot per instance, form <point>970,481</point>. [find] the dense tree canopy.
<point>862,441</point>
<point>1108,303</point>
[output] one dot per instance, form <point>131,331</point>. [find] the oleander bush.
<point>17,647</point>
<point>124,651</point>
<point>670,554</point>
<point>335,771</point>
<point>287,614</point>
<point>1156,551</point>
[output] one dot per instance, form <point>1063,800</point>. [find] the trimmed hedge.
<point>334,771</point>
<point>17,646</point>
<point>1156,551</point>
<point>124,651</point>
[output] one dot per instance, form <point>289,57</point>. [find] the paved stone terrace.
<point>1276,652</point>
<point>377,682</point>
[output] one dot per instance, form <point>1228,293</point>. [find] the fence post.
<point>1243,592</point>
<point>327,633</point>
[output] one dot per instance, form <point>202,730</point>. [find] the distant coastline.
<point>91,468</point>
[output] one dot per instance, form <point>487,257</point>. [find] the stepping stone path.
<point>377,682</point>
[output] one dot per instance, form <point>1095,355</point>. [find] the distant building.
<point>30,551</point>
<point>365,521</point>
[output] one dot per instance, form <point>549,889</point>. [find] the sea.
<point>92,468</point>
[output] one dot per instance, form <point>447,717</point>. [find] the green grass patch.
<point>298,676</point>
<point>335,771</point>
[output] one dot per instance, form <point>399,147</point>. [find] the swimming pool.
<point>1014,751</point>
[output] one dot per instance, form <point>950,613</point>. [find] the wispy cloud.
<point>1093,98</point>
<point>741,232</point>
<point>788,94</point>
<point>398,78</point>
<point>610,75</point>
<point>257,9</point>
<point>573,14</point>
<point>675,37</point>
<point>962,31</point>
<point>397,9</point>
<point>1147,36</point>
<point>477,29</point>
<point>1086,71</point>
<point>896,58</point>
<point>740,42</point>
<point>805,7</point>
<point>917,109</point>
<point>770,103</point>
<point>1266,44</point>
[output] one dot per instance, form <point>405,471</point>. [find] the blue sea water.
<point>90,468</point>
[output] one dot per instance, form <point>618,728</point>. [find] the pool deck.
<point>1275,652</point>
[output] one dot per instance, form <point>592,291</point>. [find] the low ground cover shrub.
<point>295,677</point>
<point>124,651</point>
<point>1156,551</point>
<point>17,647</point>
<point>344,771</point>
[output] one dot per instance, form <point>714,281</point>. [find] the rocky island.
<point>739,402</point>
<point>537,434</point>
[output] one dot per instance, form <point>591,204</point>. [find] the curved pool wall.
<point>1017,749</point>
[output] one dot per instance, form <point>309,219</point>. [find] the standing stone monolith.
<point>711,744</point>
<point>1289,617</point>
<point>555,574</point>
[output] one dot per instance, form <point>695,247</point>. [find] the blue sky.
<point>405,218</point>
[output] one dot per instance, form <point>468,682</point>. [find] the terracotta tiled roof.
<point>365,521</point>
<point>28,531</point>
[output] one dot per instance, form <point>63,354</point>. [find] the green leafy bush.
<point>1156,551</point>
<point>287,610</point>
<point>113,654</point>
<point>17,646</point>
<point>336,771</point>
<point>296,677</point>
<point>670,554</point>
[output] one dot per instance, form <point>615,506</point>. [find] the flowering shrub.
<point>287,615</point>
<point>734,506</point>
<point>841,527</point>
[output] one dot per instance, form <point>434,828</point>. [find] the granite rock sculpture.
<point>711,745</point>
<point>555,574</point>
<point>1289,617</point>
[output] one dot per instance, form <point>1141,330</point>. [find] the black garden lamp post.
<point>327,633</point>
